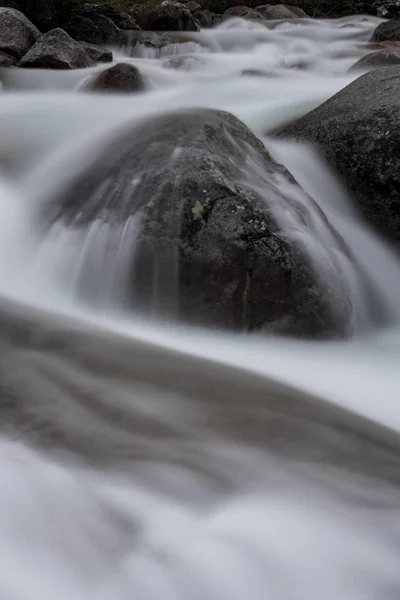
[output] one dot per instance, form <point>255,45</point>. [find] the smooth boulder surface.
<point>357,131</point>
<point>208,246</point>
<point>98,54</point>
<point>121,19</point>
<point>17,33</point>
<point>275,12</point>
<point>387,31</point>
<point>170,17</point>
<point>122,78</point>
<point>375,60</point>
<point>56,50</point>
<point>243,12</point>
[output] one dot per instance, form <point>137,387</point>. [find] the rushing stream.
<point>145,460</point>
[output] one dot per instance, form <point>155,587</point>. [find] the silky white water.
<point>280,526</point>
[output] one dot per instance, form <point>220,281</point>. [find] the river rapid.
<point>144,459</point>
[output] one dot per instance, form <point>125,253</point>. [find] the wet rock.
<point>205,18</point>
<point>121,19</point>
<point>170,17</point>
<point>98,54</point>
<point>122,78</point>
<point>205,191</point>
<point>275,12</point>
<point>192,6</point>
<point>387,9</point>
<point>17,34</point>
<point>243,12</point>
<point>98,29</point>
<point>387,31</point>
<point>383,58</point>
<point>298,12</point>
<point>56,50</point>
<point>357,132</point>
<point>6,60</point>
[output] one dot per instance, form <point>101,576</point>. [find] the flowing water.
<point>146,460</point>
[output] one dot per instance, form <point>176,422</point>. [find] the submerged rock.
<point>357,131</point>
<point>17,33</point>
<point>170,17</point>
<point>56,50</point>
<point>210,244</point>
<point>122,78</point>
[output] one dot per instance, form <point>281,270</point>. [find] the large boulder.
<point>56,50</point>
<point>243,12</point>
<point>205,18</point>
<point>98,29</point>
<point>357,131</point>
<point>121,19</point>
<point>193,199</point>
<point>383,58</point>
<point>387,31</point>
<point>122,78</point>
<point>170,17</point>
<point>275,12</point>
<point>17,34</point>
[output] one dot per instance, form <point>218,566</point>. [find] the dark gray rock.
<point>192,6</point>
<point>204,17</point>
<point>122,78</point>
<point>275,12</point>
<point>56,50</point>
<point>298,12</point>
<point>46,14</point>
<point>109,32</point>
<point>388,9</point>
<point>121,19</point>
<point>208,240</point>
<point>357,132</point>
<point>243,12</point>
<point>170,17</point>
<point>387,31</point>
<point>383,58</point>
<point>99,54</point>
<point>17,34</point>
<point>6,60</point>
<point>83,29</point>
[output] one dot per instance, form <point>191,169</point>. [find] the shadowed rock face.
<point>357,132</point>
<point>170,17</point>
<point>210,249</point>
